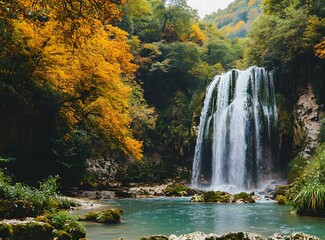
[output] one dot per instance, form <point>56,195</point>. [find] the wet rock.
<point>232,236</point>
<point>223,197</point>
<point>307,123</point>
<point>294,236</point>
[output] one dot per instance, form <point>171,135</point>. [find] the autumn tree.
<point>75,50</point>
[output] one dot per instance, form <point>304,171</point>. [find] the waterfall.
<point>238,124</point>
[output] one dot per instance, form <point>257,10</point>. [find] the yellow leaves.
<point>134,148</point>
<point>251,2</point>
<point>320,49</point>
<point>197,35</point>
<point>94,76</point>
<point>232,29</point>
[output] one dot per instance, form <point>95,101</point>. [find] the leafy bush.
<point>296,167</point>
<point>307,194</point>
<point>19,200</point>
<point>281,200</point>
<point>311,200</point>
<point>321,135</point>
<point>65,225</point>
<point>65,203</point>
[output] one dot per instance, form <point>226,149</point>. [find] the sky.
<point>208,6</point>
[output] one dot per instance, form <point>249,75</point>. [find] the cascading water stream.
<point>238,119</point>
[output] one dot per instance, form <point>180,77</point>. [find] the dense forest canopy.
<point>125,80</point>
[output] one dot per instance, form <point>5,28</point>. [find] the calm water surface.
<point>143,217</point>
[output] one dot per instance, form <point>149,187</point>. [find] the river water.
<point>144,217</point>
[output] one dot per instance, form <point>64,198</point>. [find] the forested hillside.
<point>236,20</point>
<point>124,81</point>
<point>76,81</point>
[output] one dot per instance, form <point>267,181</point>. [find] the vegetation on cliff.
<point>307,192</point>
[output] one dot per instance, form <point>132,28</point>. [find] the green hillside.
<point>236,20</point>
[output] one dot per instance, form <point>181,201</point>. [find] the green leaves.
<point>311,199</point>
<point>308,194</point>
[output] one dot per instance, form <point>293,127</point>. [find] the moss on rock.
<point>177,189</point>
<point>32,230</point>
<point>62,235</point>
<point>5,231</point>
<point>222,197</point>
<point>217,196</point>
<point>157,237</point>
<point>106,216</point>
<point>242,197</point>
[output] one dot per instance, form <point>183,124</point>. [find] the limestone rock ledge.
<point>308,111</point>
<point>232,236</point>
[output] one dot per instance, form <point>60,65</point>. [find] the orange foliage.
<point>320,49</point>
<point>94,71</point>
<point>197,35</point>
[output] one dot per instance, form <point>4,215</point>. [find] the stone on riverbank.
<point>106,216</point>
<point>223,197</point>
<point>231,236</point>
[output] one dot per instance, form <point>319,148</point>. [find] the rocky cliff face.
<point>101,171</point>
<point>307,121</point>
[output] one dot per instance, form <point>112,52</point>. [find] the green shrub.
<point>307,194</point>
<point>321,135</point>
<point>296,167</point>
<point>63,221</point>
<point>65,203</point>
<point>311,200</point>
<point>22,200</point>
<point>281,200</point>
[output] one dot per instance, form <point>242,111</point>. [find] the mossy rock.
<point>109,216</point>
<point>76,230</point>
<point>240,236</point>
<point>5,231</point>
<point>90,216</point>
<point>217,196</point>
<point>197,198</point>
<point>158,237</point>
<point>15,209</point>
<point>242,197</point>
<point>62,235</point>
<point>33,230</point>
<point>43,219</point>
<point>106,216</point>
<point>177,189</point>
